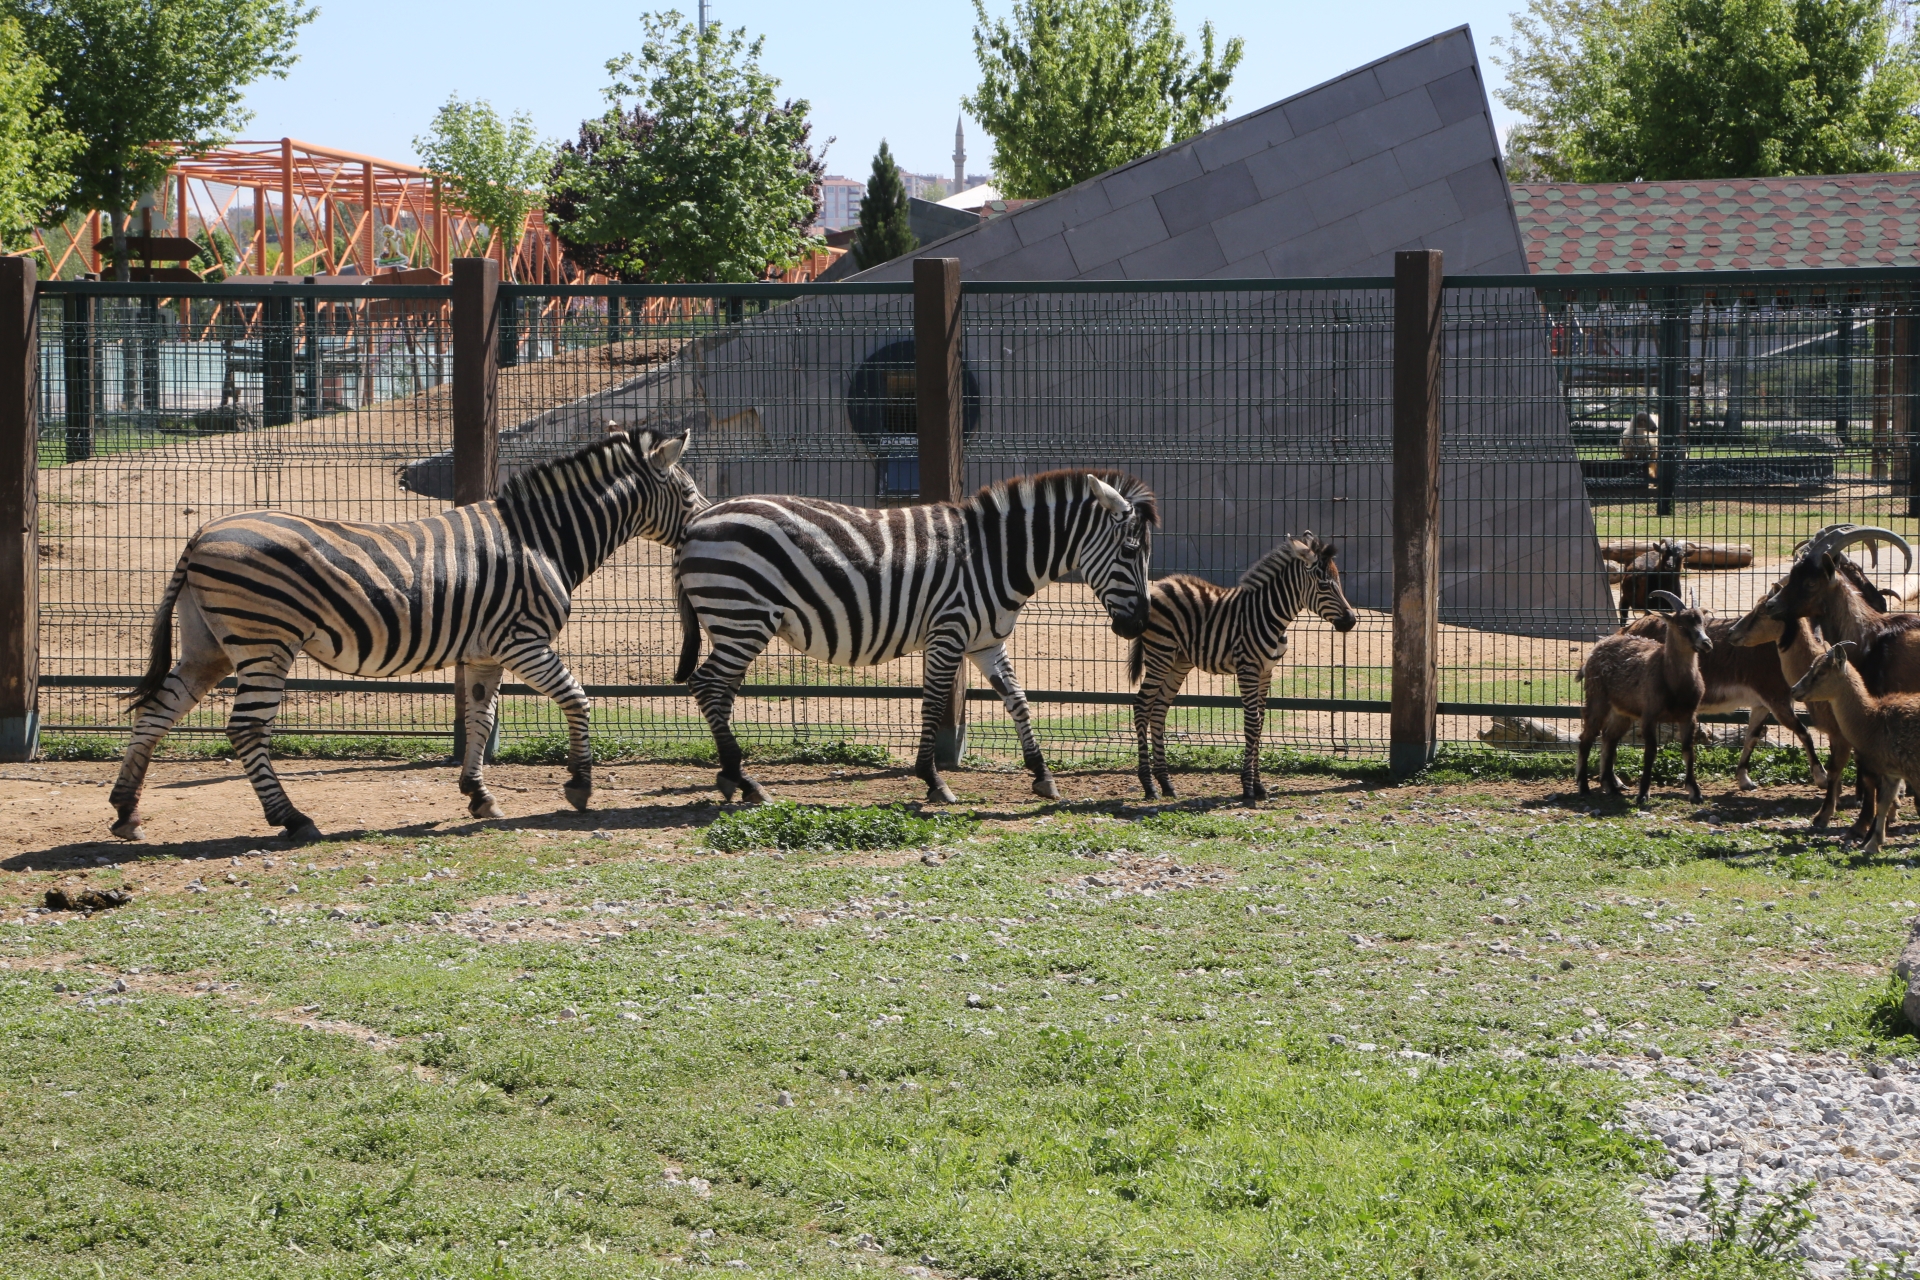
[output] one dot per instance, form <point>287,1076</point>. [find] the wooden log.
<point>1700,555</point>
<point>1412,721</point>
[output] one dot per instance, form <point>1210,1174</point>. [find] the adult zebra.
<point>860,587</point>
<point>489,585</point>
<point>1239,631</point>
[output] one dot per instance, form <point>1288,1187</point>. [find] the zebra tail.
<point>689,636</point>
<point>160,646</point>
<point>1136,659</point>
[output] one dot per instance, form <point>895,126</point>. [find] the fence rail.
<point>1784,400</point>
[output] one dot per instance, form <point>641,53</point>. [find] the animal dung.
<point>87,899</point>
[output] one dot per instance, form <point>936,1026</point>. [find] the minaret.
<point>959,158</point>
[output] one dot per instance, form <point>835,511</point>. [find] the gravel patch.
<point>1781,1121</point>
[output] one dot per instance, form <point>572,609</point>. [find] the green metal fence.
<point>1254,408</point>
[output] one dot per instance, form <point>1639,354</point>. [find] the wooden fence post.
<point>1416,509</point>
<point>476,404</point>
<point>940,419</point>
<point>19,510</point>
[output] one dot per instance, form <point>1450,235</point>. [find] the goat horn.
<point>1654,597</point>
<point>1847,535</point>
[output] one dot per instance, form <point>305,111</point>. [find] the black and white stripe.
<point>1238,631</point>
<point>489,585</point>
<point>860,586</point>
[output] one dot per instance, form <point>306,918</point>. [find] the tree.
<point>131,76</point>
<point>495,167</point>
<point>1076,87</point>
<point>1624,90</point>
<point>885,232</point>
<point>706,178</point>
<point>34,146</point>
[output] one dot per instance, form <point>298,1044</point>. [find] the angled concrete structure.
<point>1252,412</point>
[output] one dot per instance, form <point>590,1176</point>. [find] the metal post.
<point>276,362</point>
<point>509,331</point>
<point>310,323</point>
<point>19,511</point>
<point>1675,341</point>
<point>476,402</point>
<point>150,361</point>
<point>1882,392</point>
<point>1843,379</point>
<point>940,423</point>
<point>1737,376</point>
<point>1416,510</point>
<point>76,341</point>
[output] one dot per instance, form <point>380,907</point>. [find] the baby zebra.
<point>1239,631</point>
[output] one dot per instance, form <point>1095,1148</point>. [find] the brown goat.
<point>1631,678</point>
<point>1883,728</point>
<point>1742,679</point>
<point>1794,646</point>
<point>1650,572</point>
<point>1825,586</point>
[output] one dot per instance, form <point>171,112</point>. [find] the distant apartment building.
<point>840,201</point>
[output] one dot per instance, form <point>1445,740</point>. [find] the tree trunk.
<point>117,227</point>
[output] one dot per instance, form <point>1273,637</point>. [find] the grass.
<point>1014,1060</point>
<point>787,825</point>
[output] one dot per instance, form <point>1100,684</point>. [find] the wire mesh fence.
<point>1255,409</point>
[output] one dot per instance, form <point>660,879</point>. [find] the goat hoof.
<point>303,832</point>
<point>1042,786</point>
<point>578,797</point>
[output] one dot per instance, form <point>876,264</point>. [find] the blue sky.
<point>371,74</point>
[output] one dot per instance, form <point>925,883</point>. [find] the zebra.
<point>1239,631</point>
<point>489,585</point>
<point>859,586</point>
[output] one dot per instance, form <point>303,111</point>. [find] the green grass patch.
<point>789,825</point>
<point>286,746</point>
<point>552,749</point>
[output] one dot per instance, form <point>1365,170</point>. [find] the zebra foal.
<point>1239,631</point>
<point>489,585</point>
<point>860,586</point>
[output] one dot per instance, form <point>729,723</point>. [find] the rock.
<point>87,899</point>
<point>976,1001</point>
<point>1907,967</point>
<point>783,1099</point>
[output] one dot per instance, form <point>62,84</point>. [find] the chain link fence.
<point>1254,409</point>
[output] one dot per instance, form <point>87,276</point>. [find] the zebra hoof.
<point>484,806</point>
<point>130,830</point>
<point>941,793</point>
<point>1042,787</point>
<point>1748,784</point>
<point>1146,789</point>
<point>1166,788</point>
<point>726,785</point>
<point>303,832</point>
<point>578,797</point>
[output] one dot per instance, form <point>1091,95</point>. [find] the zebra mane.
<point>1293,549</point>
<point>1132,488</point>
<point>567,471</point>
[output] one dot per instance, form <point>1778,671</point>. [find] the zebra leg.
<point>547,675</point>
<point>1253,702</point>
<point>715,683</point>
<point>1142,719</point>
<point>262,668</point>
<point>940,665</point>
<point>203,663</point>
<point>482,699</point>
<point>998,670</point>
<point>1163,701</point>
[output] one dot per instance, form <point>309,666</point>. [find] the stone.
<point>1907,968</point>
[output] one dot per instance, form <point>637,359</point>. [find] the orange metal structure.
<point>290,208</point>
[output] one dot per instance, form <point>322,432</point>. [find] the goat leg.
<point>1649,748</point>
<point>1686,752</point>
<point>1836,767</point>
<point>1756,729</point>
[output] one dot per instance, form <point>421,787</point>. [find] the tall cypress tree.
<point>884,231</point>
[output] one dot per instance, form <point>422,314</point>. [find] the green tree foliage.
<point>706,178</point>
<point>885,232</point>
<point>1623,90</point>
<point>1075,87</point>
<point>128,74</point>
<point>496,167</point>
<point>34,146</point>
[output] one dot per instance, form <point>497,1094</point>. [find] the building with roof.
<point>1730,224</point>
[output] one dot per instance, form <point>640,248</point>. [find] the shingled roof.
<point>1845,220</point>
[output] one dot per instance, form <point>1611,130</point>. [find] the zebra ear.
<point>1110,498</point>
<point>663,455</point>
